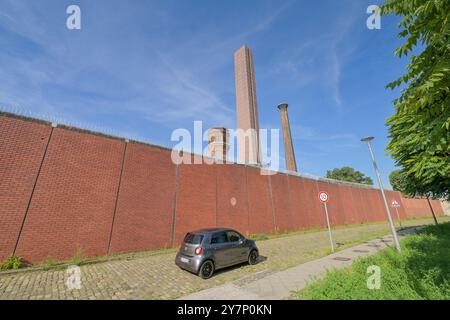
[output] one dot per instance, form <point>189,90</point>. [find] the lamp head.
<point>367,139</point>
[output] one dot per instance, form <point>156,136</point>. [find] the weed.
<point>11,263</point>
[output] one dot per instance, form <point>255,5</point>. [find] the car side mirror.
<point>241,241</point>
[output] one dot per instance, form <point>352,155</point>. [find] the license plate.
<point>184,260</point>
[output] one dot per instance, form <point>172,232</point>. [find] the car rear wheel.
<point>206,270</point>
<point>253,257</point>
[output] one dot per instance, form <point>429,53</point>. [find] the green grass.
<point>78,257</point>
<point>281,234</point>
<point>421,271</point>
<point>48,263</point>
<point>414,221</point>
<point>11,263</point>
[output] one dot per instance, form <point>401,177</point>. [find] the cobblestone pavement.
<point>155,276</point>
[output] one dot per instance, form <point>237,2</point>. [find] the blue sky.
<point>144,68</point>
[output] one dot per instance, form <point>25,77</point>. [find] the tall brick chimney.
<point>248,149</point>
<point>218,144</point>
<point>291,164</point>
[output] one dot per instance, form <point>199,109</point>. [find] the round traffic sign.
<point>323,196</point>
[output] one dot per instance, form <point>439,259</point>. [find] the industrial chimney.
<point>247,108</point>
<point>291,164</point>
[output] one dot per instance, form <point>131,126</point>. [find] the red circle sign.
<point>323,196</point>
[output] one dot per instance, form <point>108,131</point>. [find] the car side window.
<point>233,236</point>
<point>219,237</point>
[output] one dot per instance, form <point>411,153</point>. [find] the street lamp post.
<point>394,232</point>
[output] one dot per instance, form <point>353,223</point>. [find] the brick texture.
<point>313,207</point>
<point>348,205</point>
<point>334,204</point>
<point>73,203</point>
<point>196,199</point>
<point>145,206</point>
<point>297,200</point>
<point>391,196</point>
<point>260,205</point>
<point>232,200</point>
<point>22,146</point>
<point>281,203</point>
<point>372,199</point>
<point>79,204</point>
<point>421,208</point>
<point>437,207</point>
<point>359,207</point>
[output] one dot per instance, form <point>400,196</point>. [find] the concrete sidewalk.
<point>280,285</point>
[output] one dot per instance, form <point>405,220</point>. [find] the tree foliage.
<point>419,131</point>
<point>349,174</point>
<point>398,181</point>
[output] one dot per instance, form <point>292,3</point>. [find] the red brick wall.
<point>372,199</point>
<point>22,146</point>
<point>297,199</point>
<point>313,207</point>
<point>196,199</point>
<point>379,205</point>
<point>73,203</point>
<point>421,208</point>
<point>334,204</point>
<point>101,195</point>
<point>145,205</point>
<point>261,219</point>
<point>281,203</point>
<point>351,212</point>
<point>391,196</point>
<point>359,207</point>
<point>232,200</point>
<point>437,207</point>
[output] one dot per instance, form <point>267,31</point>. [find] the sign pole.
<point>324,198</point>
<point>329,227</point>
<point>396,205</point>
<point>398,217</point>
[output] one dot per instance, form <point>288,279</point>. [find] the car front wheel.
<point>206,270</point>
<point>253,257</point>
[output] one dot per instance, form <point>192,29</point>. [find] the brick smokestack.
<point>218,144</point>
<point>247,108</point>
<point>291,164</point>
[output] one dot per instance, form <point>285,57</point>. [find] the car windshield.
<point>193,238</point>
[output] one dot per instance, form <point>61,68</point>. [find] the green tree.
<point>398,181</point>
<point>349,174</point>
<point>419,130</point>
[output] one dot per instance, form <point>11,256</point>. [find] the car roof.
<point>209,230</point>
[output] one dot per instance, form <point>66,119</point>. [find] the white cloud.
<point>158,87</point>
<point>319,60</point>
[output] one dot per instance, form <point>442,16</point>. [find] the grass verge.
<point>421,271</point>
<point>414,221</point>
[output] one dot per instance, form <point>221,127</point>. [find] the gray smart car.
<point>204,251</point>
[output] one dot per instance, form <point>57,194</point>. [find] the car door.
<point>238,250</point>
<point>220,246</point>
